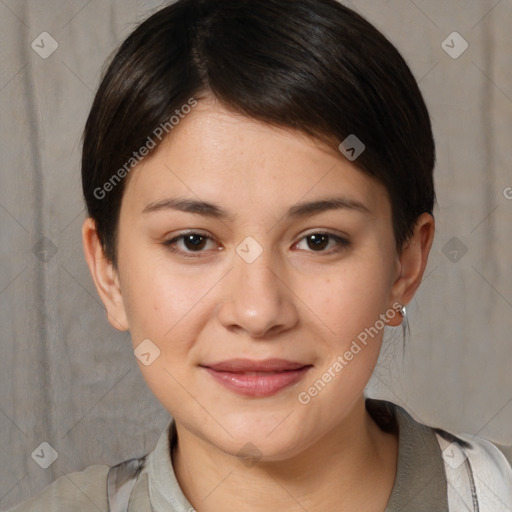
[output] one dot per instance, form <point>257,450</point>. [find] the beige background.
<point>67,378</point>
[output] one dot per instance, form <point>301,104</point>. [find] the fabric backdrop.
<point>69,379</point>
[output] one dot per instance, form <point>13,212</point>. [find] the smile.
<point>257,379</point>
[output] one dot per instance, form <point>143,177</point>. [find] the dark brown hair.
<point>311,65</point>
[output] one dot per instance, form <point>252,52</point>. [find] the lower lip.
<point>260,385</point>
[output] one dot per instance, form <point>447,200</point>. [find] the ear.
<point>412,262</point>
<point>104,275</point>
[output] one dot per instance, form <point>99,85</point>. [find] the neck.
<point>352,467</point>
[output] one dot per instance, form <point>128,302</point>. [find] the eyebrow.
<point>299,210</point>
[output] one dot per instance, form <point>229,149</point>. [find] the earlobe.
<point>104,276</point>
<point>412,262</point>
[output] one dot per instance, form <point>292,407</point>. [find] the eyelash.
<point>171,244</point>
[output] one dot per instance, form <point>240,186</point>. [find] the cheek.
<point>169,308</point>
<point>350,304</point>
<point>160,307</point>
<point>153,297</point>
<point>351,298</point>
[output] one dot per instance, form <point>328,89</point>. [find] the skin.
<point>294,302</point>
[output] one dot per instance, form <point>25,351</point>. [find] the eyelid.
<point>343,241</point>
<point>171,243</point>
<point>326,231</point>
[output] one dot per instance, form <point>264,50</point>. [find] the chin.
<point>264,439</point>
<point>262,450</point>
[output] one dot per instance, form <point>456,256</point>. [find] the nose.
<point>258,300</point>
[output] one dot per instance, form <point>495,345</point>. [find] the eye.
<point>318,242</point>
<point>192,244</point>
<point>189,243</point>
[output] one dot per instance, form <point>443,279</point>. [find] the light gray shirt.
<point>421,483</point>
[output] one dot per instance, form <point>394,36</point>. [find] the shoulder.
<point>484,452</point>
<point>84,491</point>
<point>506,450</point>
<point>444,470</point>
<point>481,466</point>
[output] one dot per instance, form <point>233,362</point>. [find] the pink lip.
<point>257,378</point>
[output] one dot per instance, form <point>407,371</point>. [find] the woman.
<point>259,183</point>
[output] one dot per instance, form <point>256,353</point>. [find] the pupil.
<point>318,241</point>
<point>195,241</point>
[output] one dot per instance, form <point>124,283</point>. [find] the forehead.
<point>222,156</point>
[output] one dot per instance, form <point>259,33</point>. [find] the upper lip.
<point>248,365</point>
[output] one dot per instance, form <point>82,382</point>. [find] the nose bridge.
<point>257,300</point>
<point>257,277</point>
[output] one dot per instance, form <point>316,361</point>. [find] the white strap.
<point>120,483</point>
<point>479,476</point>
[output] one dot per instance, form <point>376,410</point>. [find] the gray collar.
<point>420,483</point>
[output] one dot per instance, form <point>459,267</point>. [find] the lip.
<point>257,378</point>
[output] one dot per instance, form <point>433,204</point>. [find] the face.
<point>252,258</point>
